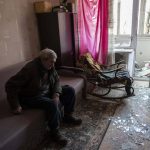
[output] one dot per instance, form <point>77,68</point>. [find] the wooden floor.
<point>130,126</point>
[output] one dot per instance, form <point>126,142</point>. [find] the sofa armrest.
<point>70,71</point>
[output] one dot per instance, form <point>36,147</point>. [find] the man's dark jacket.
<point>27,82</point>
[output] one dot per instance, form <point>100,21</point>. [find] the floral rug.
<point>95,121</point>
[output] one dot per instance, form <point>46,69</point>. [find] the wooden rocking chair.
<point>105,77</point>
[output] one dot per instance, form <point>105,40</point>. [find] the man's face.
<point>49,63</point>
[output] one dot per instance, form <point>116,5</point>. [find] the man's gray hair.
<point>47,54</point>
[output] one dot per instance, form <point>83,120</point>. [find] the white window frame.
<point>141,18</point>
<point>134,27</point>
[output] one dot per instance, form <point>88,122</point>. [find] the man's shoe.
<point>68,119</point>
<point>58,138</point>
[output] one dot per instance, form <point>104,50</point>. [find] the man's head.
<point>48,58</point>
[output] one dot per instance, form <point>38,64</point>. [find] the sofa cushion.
<point>17,130</point>
<point>76,82</point>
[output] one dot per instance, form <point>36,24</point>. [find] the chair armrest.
<point>105,74</point>
<point>115,64</point>
<point>118,63</point>
<point>113,70</point>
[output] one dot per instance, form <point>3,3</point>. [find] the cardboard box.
<point>42,6</point>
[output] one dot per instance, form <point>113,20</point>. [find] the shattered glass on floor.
<point>132,119</point>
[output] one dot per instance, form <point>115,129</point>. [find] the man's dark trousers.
<point>53,111</point>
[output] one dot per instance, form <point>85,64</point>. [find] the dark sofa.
<point>18,132</point>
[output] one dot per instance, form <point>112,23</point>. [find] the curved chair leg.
<point>110,98</point>
<point>102,92</point>
<point>128,86</point>
<point>125,81</point>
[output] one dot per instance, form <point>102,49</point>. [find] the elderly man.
<point>36,85</point>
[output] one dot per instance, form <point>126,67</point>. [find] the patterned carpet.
<point>95,116</point>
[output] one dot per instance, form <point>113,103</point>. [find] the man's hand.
<point>18,110</point>
<point>56,98</point>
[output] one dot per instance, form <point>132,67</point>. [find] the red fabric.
<point>93,28</point>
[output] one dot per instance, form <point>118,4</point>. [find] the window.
<point>122,21</point>
<point>144,18</point>
<point>122,17</point>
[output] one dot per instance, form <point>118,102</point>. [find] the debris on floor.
<point>130,126</point>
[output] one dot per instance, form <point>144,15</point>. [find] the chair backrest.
<point>87,62</point>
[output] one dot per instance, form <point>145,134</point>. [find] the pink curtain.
<point>93,28</point>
